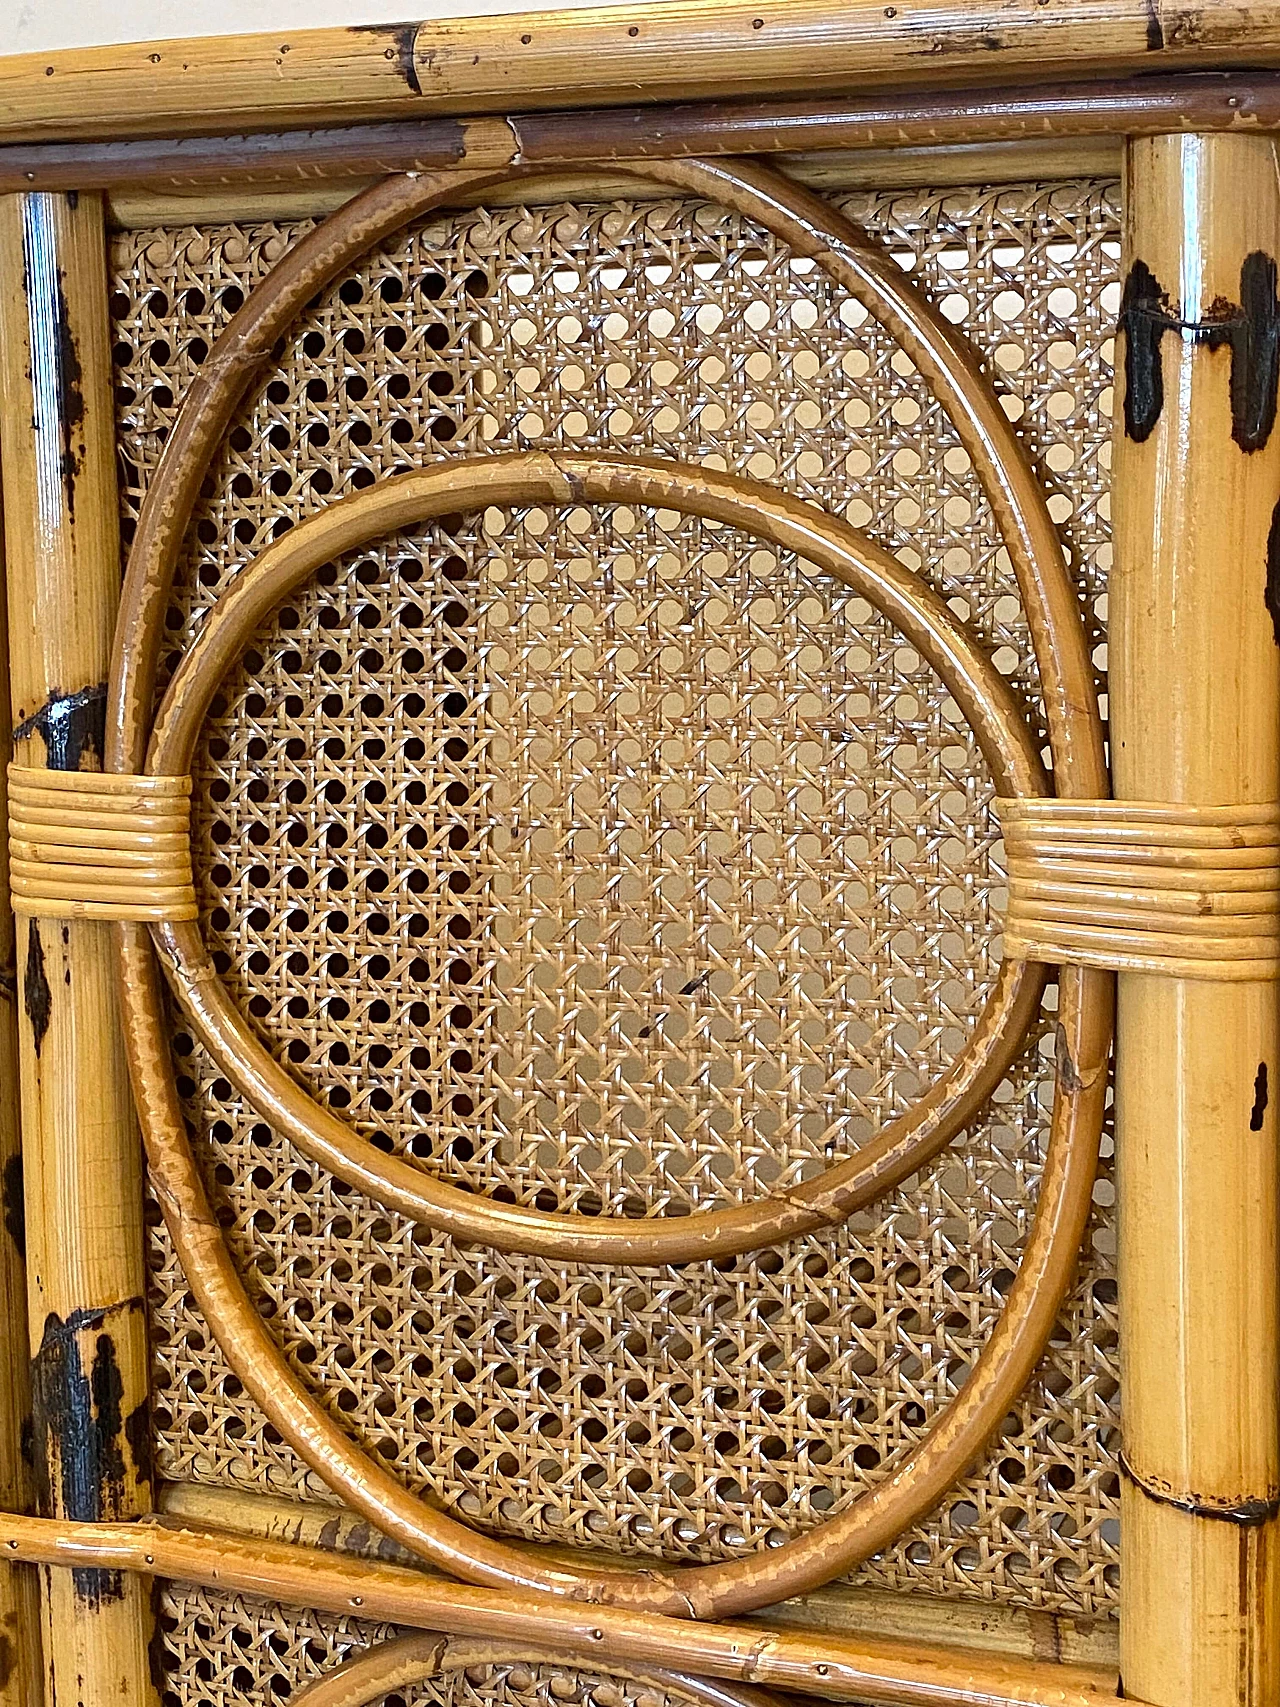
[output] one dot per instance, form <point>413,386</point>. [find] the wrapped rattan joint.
<point>1139,886</point>
<point>87,846</point>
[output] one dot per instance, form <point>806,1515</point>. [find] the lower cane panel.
<point>601,858</point>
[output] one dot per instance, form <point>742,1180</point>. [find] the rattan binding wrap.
<point>1140,886</point>
<point>87,846</point>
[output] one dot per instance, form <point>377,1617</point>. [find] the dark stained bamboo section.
<point>91,1429</point>
<point>1195,697</point>
<point>872,1672</point>
<point>614,56</point>
<point>1228,101</point>
<point>19,1606</point>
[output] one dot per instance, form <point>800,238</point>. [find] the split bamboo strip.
<point>838,1610</point>
<point>85,1274</point>
<point>882,128</point>
<point>610,55</point>
<point>867,1670</point>
<point>1195,692</point>
<point>20,1682</point>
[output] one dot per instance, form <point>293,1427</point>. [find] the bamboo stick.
<point>1195,691</point>
<point>837,1610</point>
<point>883,127</point>
<point>20,1677</point>
<point>612,55</point>
<point>880,169</point>
<point>85,1276</point>
<point>866,1670</point>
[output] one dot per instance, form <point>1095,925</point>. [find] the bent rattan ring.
<point>952,1102</point>
<point>922,1475</point>
<point>409,500</point>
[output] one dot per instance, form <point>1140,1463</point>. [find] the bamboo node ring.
<point>1142,886</point>
<point>83,845</point>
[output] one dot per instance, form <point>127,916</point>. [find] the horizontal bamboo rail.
<point>612,55</point>
<point>869,1671</point>
<point>838,1610</point>
<point>882,125</point>
<point>877,169</point>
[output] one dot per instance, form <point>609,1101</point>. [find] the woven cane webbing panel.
<point>608,860</point>
<point>223,1650</point>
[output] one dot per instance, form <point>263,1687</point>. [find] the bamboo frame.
<point>866,1670</point>
<point>143,208</point>
<point>83,1191</point>
<point>837,1609</point>
<point>609,55</point>
<point>1194,689</point>
<point>881,128</point>
<point>1201,1503</point>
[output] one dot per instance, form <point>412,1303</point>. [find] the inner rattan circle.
<point>597,887</point>
<point>979,695</point>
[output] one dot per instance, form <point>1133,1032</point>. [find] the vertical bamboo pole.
<point>83,1190</point>
<point>1195,718</point>
<point>19,1613</point>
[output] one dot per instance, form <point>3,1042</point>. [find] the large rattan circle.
<point>412,499</point>
<point>921,1476</point>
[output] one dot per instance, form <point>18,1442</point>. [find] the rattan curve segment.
<point>408,1660</point>
<point>1013,1348</point>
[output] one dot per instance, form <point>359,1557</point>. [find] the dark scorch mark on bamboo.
<point>15,1219</point>
<point>79,1430</point>
<point>1144,319</point>
<point>137,1431</point>
<point>402,41</point>
<point>1249,1513</point>
<point>1250,329</point>
<point>72,725</point>
<point>1155,29</point>
<point>1259,1108</point>
<point>70,395</point>
<point>1254,338</point>
<point>157,1649</point>
<point>37,998</point>
<point>1272,595</point>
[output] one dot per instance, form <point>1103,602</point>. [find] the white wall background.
<point>32,26</point>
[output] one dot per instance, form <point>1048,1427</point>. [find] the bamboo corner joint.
<point>1175,885</point>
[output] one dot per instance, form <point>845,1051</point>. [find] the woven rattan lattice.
<point>701,889</point>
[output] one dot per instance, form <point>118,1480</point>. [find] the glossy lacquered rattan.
<point>587,1221</point>
<point>1141,886</point>
<point>86,845</point>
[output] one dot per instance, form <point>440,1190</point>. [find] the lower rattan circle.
<point>920,614</point>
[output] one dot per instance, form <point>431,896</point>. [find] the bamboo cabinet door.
<point>588,829</point>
